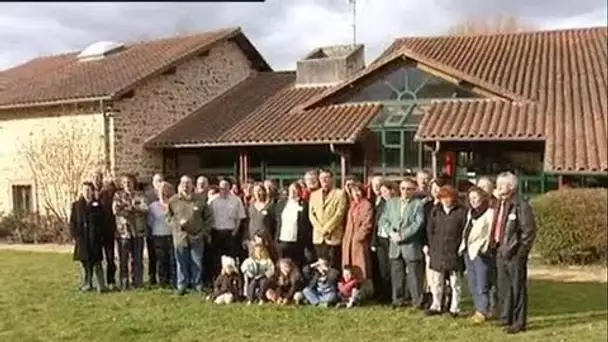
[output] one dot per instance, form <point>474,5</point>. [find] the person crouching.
<point>349,288</point>
<point>286,285</point>
<point>321,289</point>
<point>257,270</point>
<point>227,287</point>
<point>87,224</point>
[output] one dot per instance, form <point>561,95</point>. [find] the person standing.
<point>262,214</point>
<point>380,241</point>
<point>311,179</point>
<point>327,210</point>
<point>104,194</point>
<point>190,221</point>
<point>152,196</point>
<point>475,246</point>
<point>228,213</point>
<point>131,212</point>
<point>513,234</point>
<point>162,237</point>
<point>356,244</point>
<point>445,226</point>
<point>202,185</point>
<point>294,231</point>
<point>402,221</point>
<point>87,227</point>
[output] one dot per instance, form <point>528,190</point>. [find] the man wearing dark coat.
<point>87,224</point>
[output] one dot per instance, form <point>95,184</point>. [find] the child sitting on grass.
<point>349,288</point>
<point>228,285</point>
<point>257,270</point>
<point>321,289</point>
<point>286,284</point>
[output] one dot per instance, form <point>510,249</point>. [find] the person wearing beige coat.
<point>327,210</point>
<point>476,248</point>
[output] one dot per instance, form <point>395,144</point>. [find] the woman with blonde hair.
<point>257,270</point>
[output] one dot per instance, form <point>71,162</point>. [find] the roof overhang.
<point>55,103</point>
<point>251,143</point>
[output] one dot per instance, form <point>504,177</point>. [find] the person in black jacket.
<point>87,224</point>
<point>293,231</point>
<point>513,234</point>
<point>381,192</point>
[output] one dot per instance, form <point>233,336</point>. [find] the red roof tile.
<point>63,77</point>
<point>256,112</point>
<point>481,120</point>
<point>563,72</point>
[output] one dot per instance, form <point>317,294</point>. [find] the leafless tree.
<point>59,161</point>
<point>490,25</point>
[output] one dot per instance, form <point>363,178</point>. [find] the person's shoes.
<point>85,288</point>
<point>248,303</point>
<point>455,314</point>
<point>478,318</point>
<point>324,305</point>
<point>350,304</point>
<point>502,323</point>
<point>432,312</point>
<point>180,292</point>
<point>111,287</point>
<point>514,330</point>
<point>340,305</point>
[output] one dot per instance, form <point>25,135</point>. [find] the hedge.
<point>33,228</point>
<point>572,226</point>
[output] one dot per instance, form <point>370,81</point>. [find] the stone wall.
<point>162,101</point>
<point>21,127</point>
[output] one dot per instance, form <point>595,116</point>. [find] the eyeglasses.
<point>408,188</point>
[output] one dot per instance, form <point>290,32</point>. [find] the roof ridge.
<point>502,34</point>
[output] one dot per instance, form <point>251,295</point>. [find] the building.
<point>532,102</point>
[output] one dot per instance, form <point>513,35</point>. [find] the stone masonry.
<point>164,100</point>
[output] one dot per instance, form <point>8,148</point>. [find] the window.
<point>392,157</point>
<point>407,84</point>
<point>392,138</point>
<point>22,199</point>
<point>410,149</point>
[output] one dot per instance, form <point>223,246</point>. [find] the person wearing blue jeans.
<point>190,220</point>
<point>322,288</point>
<point>130,211</point>
<point>475,246</point>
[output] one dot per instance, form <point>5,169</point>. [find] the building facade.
<point>531,102</point>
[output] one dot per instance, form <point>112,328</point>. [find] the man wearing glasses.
<point>403,220</point>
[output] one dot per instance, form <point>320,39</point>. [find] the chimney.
<point>330,65</point>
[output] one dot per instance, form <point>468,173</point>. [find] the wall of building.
<point>164,100</point>
<point>80,126</point>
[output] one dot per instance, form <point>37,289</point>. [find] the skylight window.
<point>99,50</point>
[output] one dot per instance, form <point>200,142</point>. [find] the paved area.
<point>566,274</point>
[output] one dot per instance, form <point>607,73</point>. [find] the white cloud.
<point>283,30</point>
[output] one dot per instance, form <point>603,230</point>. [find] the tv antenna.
<point>353,4</point>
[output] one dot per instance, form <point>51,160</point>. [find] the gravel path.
<point>565,274</point>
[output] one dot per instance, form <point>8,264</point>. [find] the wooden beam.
<point>343,166</point>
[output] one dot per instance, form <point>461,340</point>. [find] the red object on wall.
<point>449,164</point>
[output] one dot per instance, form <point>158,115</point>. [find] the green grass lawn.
<point>39,302</point>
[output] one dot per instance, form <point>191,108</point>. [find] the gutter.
<point>53,103</point>
<point>106,136</point>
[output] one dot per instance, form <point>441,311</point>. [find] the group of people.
<point>407,244</point>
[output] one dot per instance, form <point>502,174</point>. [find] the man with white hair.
<point>190,219</point>
<point>513,234</point>
<point>380,244</point>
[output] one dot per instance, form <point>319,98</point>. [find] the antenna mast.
<point>354,19</point>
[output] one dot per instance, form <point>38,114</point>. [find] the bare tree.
<point>491,25</point>
<point>59,161</point>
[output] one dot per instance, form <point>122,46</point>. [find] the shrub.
<point>33,228</point>
<point>572,226</point>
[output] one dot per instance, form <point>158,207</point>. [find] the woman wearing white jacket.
<point>475,246</point>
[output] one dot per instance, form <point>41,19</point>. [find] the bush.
<point>572,226</point>
<point>33,228</point>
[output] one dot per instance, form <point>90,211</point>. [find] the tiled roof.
<point>62,77</point>
<point>481,120</point>
<point>563,72</point>
<point>256,112</point>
